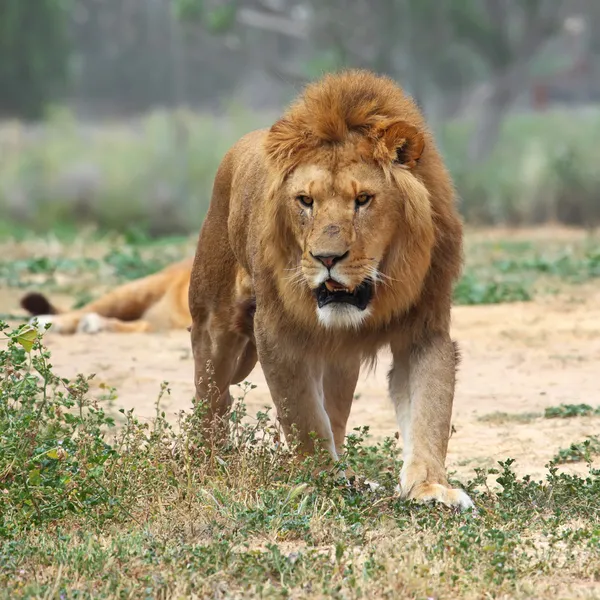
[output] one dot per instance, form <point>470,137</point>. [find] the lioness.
<point>336,231</point>
<point>154,303</point>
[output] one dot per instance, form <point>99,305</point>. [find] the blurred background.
<point>116,113</point>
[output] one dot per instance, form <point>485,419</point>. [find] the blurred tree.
<point>136,55</point>
<point>439,48</point>
<point>507,35</point>
<point>34,51</point>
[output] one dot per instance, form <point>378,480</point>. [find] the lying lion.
<point>337,231</point>
<point>155,303</point>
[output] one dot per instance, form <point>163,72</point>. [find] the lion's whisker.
<point>378,277</point>
<point>294,277</point>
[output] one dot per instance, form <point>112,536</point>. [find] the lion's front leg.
<point>422,388</point>
<point>296,386</point>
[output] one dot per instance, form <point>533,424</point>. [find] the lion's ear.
<point>282,140</point>
<point>403,143</point>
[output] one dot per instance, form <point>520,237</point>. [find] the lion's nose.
<point>329,259</point>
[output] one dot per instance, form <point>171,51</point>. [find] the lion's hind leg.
<point>217,353</point>
<point>65,323</point>
<point>120,310</point>
<point>94,323</point>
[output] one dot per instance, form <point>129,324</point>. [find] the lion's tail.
<point>37,304</point>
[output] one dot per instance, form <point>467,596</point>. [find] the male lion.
<point>154,303</point>
<point>336,231</point>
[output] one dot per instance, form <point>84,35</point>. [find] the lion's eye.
<point>363,199</point>
<point>306,201</point>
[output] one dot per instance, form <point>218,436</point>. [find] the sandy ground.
<point>517,359</point>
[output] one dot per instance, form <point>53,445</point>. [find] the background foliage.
<point>35,51</point>
<point>134,102</point>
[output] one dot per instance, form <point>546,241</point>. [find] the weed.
<point>579,452</point>
<point>52,449</point>
<point>158,510</point>
<point>500,418</point>
<point>513,272</point>
<point>566,411</point>
<point>473,290</point>
<point>112,261</point>
<point>494,273</point>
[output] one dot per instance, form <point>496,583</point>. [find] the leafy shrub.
<point>52,449</point>
<point>473,290</point>
<point>579,452</point>
<point>244,518</point>
<point>155,174</point>
<point>543,169</point>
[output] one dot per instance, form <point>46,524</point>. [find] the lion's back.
<point>247,194</point>
<point>226,237</point>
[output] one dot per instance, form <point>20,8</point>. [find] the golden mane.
<point>346,107</point>
<point>368,118</point>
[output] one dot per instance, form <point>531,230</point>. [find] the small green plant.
<point>153,509</point>
<point>112,262</point>
<point>52,448</point>
<point>567,411</point>
<point>579,452</point>
<point>128,263</point>
<point>14,273</point>
<point>501,418</point>
<point>499,272</point>
<point>472,290</point>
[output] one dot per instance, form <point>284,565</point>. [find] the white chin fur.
<point>342,316</point>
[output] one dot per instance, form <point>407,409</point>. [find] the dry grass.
<point>153,510</point>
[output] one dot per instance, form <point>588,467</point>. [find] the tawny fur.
<point>349,134</point>
<point>158,302</point>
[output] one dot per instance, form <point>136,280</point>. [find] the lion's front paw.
<point>436,492</point>
<point>418,482</point>
<point>92,323</point>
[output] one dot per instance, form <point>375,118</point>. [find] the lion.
<point>158,302</point>
<point>335,233</point>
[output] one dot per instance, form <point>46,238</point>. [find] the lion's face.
<point>350,211</point>
<point>344,219</point>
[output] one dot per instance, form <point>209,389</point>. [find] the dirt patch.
<point>517,359</point>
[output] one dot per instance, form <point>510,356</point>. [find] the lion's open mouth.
<point>331,291</point>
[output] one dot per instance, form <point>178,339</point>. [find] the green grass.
<point>584,451</point>
<point>154,510</point>
<point>104,262</point>
<point>495,271</point>
<point>502,418</point>
<point>567,411</point>
<point>562,411</point>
